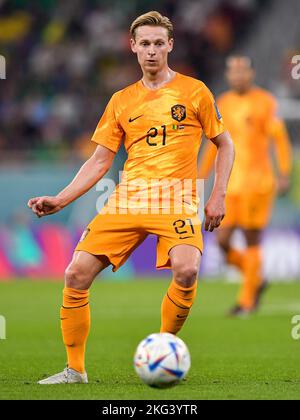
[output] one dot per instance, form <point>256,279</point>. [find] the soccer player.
<point>160,118</point>
<point>249,113</point>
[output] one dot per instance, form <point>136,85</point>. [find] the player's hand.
<point>43,206</point>
<point>283,185</point>
<point>214,212</point>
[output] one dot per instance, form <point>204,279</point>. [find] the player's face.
<point>152,47</point>
<point>239,74</point>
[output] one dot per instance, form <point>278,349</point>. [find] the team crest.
<point>178,112</point>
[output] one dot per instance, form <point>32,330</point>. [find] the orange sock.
<point>252,277</point>
<point>236,258</point>
<point>75,325</point>
<point>176,306</point>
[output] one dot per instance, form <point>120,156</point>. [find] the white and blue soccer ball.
<point>162,360</point>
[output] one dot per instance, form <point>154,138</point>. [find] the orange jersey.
<point>250,119</point>
<point>162,131</point>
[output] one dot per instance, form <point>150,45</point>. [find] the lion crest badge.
<point>178,112</point>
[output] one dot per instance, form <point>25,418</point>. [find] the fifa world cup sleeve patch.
<point>217,111</point>
<point>85,234</point>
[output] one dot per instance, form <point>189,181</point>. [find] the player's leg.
<point>179,248</point>
<point>109,239</point>
<point>75,310</point>
<point>176,305</point>
<point>254,217</point>
<point>232,255</point>
<point>75,315</point>
<point>253,278</point>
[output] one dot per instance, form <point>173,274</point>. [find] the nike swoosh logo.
<point>132,119</point>
<point>179,316</point>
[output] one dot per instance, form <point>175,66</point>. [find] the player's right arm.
<point>108,137</point>
<point>88,175</point>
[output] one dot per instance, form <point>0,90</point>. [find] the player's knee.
<point>224,244</point>
<point>76,277</point>
<point>185,275</point>
<point>253,237</point>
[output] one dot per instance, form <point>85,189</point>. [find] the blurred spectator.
<point>65,59</point>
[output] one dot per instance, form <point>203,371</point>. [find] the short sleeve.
<point>209,114</point>
<point>108,132</point>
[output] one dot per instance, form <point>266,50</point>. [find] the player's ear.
<point>133,45</point>
<point>171,44</point>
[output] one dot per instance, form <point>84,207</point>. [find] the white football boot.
<point>67,376</point>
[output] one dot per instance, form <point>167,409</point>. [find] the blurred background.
<point>64,59</point>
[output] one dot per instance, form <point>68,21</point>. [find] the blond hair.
<point>152,18</point>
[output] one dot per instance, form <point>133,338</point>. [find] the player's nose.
<point>151,52</point>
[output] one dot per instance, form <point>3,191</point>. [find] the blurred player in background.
<point>249,113</point>
<point>161,119</point>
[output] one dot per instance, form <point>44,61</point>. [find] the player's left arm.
<point>215,206</point>
<point>213,128</point>
<point>207,160</point>
<point>283,153</point>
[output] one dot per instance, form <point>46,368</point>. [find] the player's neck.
<point>159,79</point>
<point>244,91</point>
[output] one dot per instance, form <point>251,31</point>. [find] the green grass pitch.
<point>255,358</point>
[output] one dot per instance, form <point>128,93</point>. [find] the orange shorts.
<point>248,211</point>
<point>117,235</point>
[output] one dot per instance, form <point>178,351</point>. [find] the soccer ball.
<point>162,360</point>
